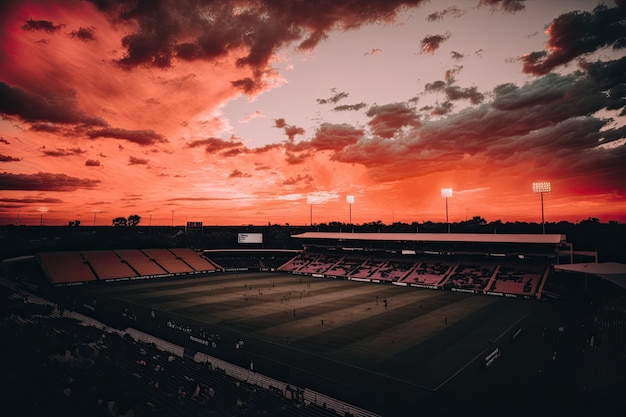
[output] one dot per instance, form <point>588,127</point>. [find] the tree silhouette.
<point>133,220</point>
<point>120,221</point>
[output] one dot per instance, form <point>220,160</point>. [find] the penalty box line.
<point>482,353</point>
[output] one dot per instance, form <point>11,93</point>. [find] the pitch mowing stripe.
<point>336,318</point>
<point>400,337</point>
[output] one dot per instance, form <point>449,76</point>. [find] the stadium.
<point>339,323</point>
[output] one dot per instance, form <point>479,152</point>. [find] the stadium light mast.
<point>446,193</point>
<point>541,188</point>
<point>95,211</point>
<point>41,211</point>
<point>350,201</point>
<point>150,227</point>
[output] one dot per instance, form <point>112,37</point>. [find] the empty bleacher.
<point>168,261</point>
<point>191,258</point>
<point>366,268</point>
<point>140,262</point>
<point>517,278</point>
<point>65,268</point>
<point>107,265</point>
<point>470,275</point>
<point>428,272</point>
<point>392,270</point>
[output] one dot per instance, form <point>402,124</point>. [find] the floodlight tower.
<point>95,211</point>
<point>541,188</point>
<point>41,211</point>
<point>350,201</point>
<point>446,193</point>
<point>150,227</point>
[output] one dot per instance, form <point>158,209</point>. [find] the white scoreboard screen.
<point>250,238</point>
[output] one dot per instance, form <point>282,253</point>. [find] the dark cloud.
<point>450,74</point>
<point>141,137</point>
<point>92,163</point>
<point>290,130</point>
<point>454,92</point>
<point>248,85</point>
<point>83,34</point>
<point>219,146</point>
<point>46,200</point>
<point>456,55</point>
<point>334,99</point>
<point>46,128</point>
<point>35,108</point>
<point>431,43</point>
<point>299,179</point>
<point>450,11</point>
<point>44,181</point>
<point>7,158</point>
<point>575,34</point>
<point>3,140</point>
<point>548,122</point>
<point>41,25</point>
<point>350,107</point>
<point>295,158</point>
<point>388,118</point>
<point>238,174</point>
<point>440,108</point>
<point>330,136</point>
<point>508,6</point>
<point>435,86</point>
<point>210,30</point>
<point>57,152</point>
<point>137,161</point>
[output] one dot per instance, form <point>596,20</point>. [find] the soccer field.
<point>336,336</point>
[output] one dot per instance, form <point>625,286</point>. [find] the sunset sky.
<point>249,112</point>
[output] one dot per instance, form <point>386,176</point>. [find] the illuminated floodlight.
<point>350,201</point>
<point>542,187</point>
<point>446,193</point>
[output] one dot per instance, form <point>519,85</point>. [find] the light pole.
<point>150,227</point>
<point>446,193</point>
<point>41,211</point>
<point>94,216</point>
<point>541,188</point>
<point>350,201</point>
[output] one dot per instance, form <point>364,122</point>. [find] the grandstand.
<point>505,264</point>
<point>77,268</point>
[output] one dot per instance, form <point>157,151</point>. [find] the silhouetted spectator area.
<point>58,365</point>
<point>168,261</point>
<point>107,265</point>
<point>66,267</point>
<point>428,271</point>
<point>478,273</point>
<point>521,278</point>
<point>366,268</point>
<point>471,275</point>
<point>393,270</point>
<point>300,261</point>
<point>193,259</point>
